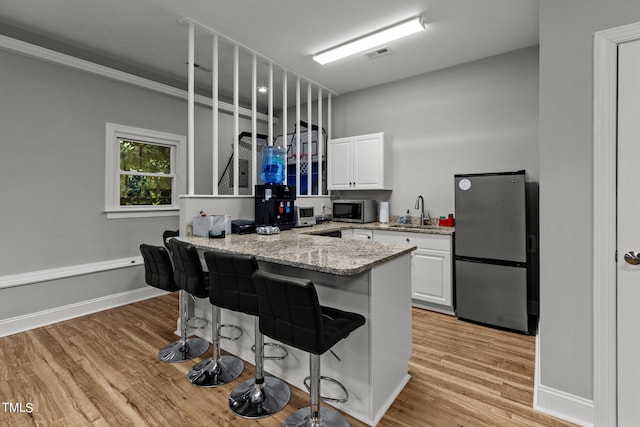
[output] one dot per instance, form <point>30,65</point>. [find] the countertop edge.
<point>338,226</point>
<point>337,271</point>
<point>241,246</point>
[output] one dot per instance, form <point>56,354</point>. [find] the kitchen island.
<point>371,279</point>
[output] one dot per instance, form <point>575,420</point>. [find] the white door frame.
<point>604,219</point>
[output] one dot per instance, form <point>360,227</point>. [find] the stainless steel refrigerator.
<point>495,246</point>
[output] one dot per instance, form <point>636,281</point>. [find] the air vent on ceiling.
<point>377,53</point>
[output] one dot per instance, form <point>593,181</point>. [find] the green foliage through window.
<point>141,168</point>
<point>143,157</point>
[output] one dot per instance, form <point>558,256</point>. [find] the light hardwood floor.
<point>102,370</point>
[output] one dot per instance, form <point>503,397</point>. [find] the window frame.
<point>177,143</point>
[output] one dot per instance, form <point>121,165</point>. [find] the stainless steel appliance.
<point>274,205</point>
<point>360,211</point>
<point>305,216</point>
<point>495,246</point>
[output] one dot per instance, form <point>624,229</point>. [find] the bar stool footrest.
<point>231,338</point>
<point>284,350</point>
<point>197,322</point>
<point>307,384</point>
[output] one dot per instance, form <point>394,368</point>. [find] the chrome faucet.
<point>422,215</point>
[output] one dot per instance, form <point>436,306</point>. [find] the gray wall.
<point>477,117</point>
<point>52,167</point>
<point>52,172</point>
<point>566,184</point>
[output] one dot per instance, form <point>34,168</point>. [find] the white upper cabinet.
<point>359,163</point>
<point>340,163</point>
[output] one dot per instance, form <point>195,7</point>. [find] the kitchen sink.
<point>429,226</point>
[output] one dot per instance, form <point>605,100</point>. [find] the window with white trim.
<point>143,172</point>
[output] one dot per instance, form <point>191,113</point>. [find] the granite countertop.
<point>300,249</point>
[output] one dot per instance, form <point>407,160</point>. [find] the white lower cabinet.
<point>361,234</point>
<point>358,234</point>
<point>347,234</point>
<point>431,268</point>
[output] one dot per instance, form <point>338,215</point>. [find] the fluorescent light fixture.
<point>370,41</point>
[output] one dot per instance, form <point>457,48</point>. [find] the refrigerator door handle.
<point>491,261</point>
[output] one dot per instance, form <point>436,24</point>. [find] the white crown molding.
<point>31,277</point>
<point>51,56</point>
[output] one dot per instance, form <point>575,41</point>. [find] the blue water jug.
<point>273,164</point>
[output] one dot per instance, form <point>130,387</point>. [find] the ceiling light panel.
<point>368,42</point>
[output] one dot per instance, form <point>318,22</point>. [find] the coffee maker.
<point>275,205</point>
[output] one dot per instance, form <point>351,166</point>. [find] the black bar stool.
<point>192,322</point>
<point>191,280</point>
<point>158,270</point>
<point>290,313</point>
<point>167,235</point>
<point>231,287</point>
<point>218,370</point>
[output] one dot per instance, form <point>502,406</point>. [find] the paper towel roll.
<point>383,211</point>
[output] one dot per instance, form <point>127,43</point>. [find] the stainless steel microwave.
<point>354,211</point>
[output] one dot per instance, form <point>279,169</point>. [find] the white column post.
<point>254,126</point>
<point>309,127</point>
<point>329,134</point>
<point>191,114</point>
<point>284,122</point>
<point>214,117</point>
<point>270,133</point>
<point>236,124</point>
<point>319,146</point>
<point>298,136</point>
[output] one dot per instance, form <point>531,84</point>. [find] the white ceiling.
<point>145,36</point>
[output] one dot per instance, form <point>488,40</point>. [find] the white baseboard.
<point>26,322</point>
<point>566,406</point>
<point>560,404</point>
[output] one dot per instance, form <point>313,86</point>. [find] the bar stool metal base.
<point>208,373</point>
<point>328,418</point>
<point>181,351</point>
<point>251,400</point>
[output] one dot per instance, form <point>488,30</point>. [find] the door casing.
<point>604,219</point>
